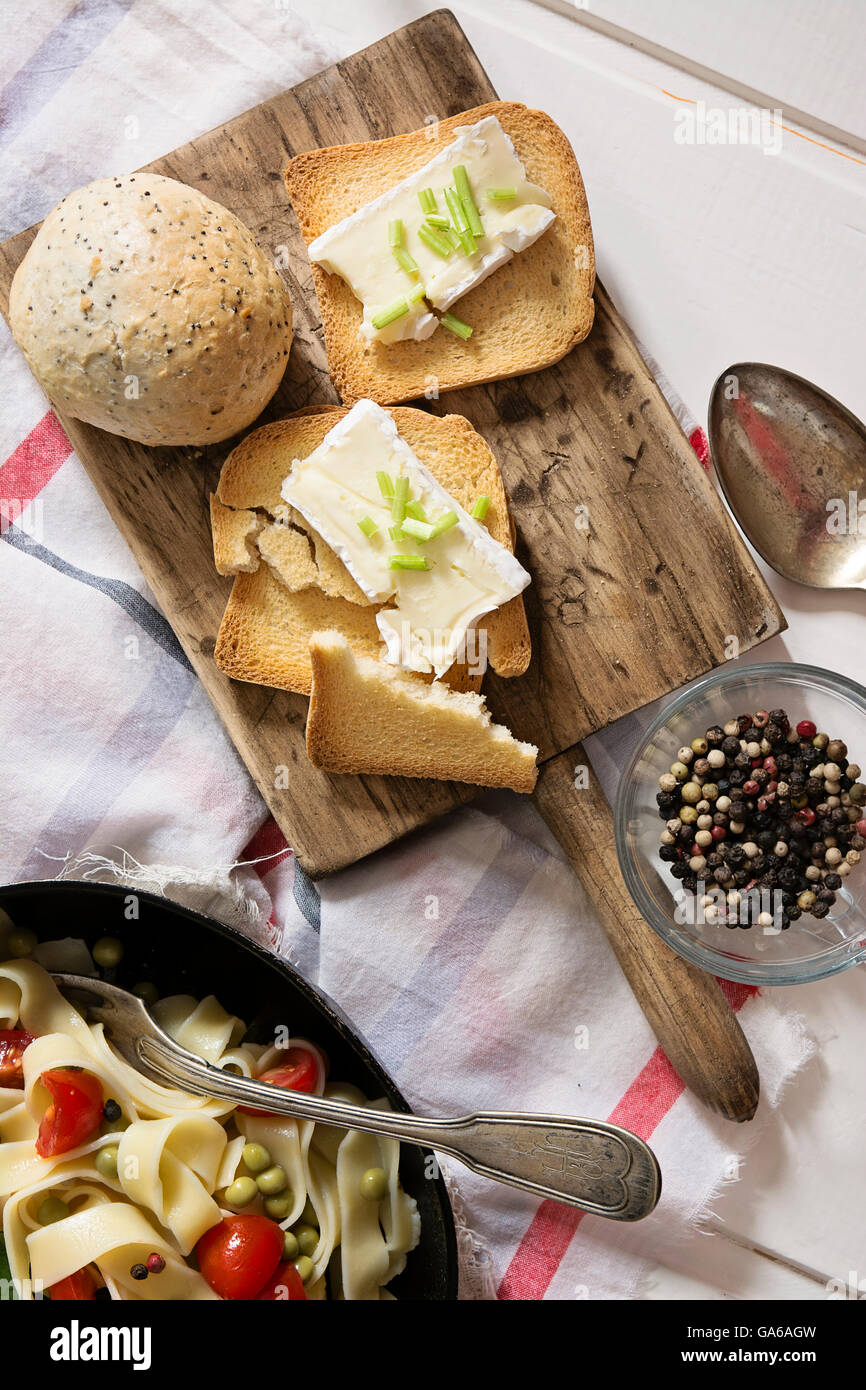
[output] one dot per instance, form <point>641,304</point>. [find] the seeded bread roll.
<point>147,309</point>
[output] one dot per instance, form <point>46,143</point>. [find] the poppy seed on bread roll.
<point>149,310</point>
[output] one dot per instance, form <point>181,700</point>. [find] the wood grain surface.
<point>643,600</point>
<point>684,1006</point>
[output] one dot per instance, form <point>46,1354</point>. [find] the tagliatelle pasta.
<point>129,1202</point>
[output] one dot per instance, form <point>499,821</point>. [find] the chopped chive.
<point>405,261</point>
<point>435,240</point>
<point>455,207</point>
<point>444,523</point>
<point>408,562</point>
<point>421,530</point>
<point>416,294</point>
<point>368,526</point>
<point>396,534</point>
<point>456,325</point>
<point>391,313</point>
<point>399,500</point>
<point>386,485</point>
<point>467,241</point>
<point>414,509</point>
<point>427,199</point>
<point>501,195</point>
<point>467,202</point>
<point>395,232</point>
<point>479,511</point>
<point>451,237</point>
<point>436,219</point>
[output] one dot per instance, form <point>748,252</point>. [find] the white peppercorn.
<point>697,863</point>
<point>703,838</point>
<point>667,838</point>
<point>668,782</point>
<point>750,849</point>
<point>753,750</point>
<point>813,872</point>
<point>853,856</point>
<point>780,849</point>
<point>833,856</point>
<point>723,803</point>
<point>843,869</point>
<point>684,754</point>
<point>832,771</point>
<point>691,792</point>
<point>716,758</point>
<point>705,822</point>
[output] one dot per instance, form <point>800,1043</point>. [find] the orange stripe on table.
<point>646,1102</point>
<point>33,464</point>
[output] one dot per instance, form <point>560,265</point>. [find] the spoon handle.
<point>586,1163</point>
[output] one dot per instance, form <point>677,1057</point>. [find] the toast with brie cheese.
<point>300,585</point>
<point>526,315</point>
<point>366,717</point>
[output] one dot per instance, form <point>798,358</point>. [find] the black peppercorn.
<point>715,735</point>
<point>833,882</point>
<point>139,1271</point>
<point>737,776</point>
<point>742,761</point>
<point>111,1111</point>
<point>668,853</point>
<point>731,746</point>
<point>679,870</point>
<point>820,909</point>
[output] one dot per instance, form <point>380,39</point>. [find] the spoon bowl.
<point>791,462</point>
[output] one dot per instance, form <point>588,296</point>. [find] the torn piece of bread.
<point>300,559</point>
<point>234,538</point>
<point>366,717</point>
<point>251,480</point>
<point>528,314</point>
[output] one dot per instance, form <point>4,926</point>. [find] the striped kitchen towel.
<point>467,954</point>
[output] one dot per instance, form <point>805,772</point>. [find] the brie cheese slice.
<point>430,611</point>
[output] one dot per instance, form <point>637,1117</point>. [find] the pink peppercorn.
<point>806,729</point>
<point>718,832</point>
<point>751,787</point>
<point>806,816</point>
<point>861,827</point>
<point>155,1263</point>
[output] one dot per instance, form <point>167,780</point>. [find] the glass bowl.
<point>811,948</point>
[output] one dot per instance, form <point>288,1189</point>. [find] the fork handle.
<point>589,1164</point>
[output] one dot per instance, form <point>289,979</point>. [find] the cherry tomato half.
<point>13,1044</point>
<point>80,1285</point>
<point>286,1286</point>
<point>74,1114</point>
<point>299,1072</point>
<point>239,1255</point>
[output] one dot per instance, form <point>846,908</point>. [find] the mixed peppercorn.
<point>762,805</point>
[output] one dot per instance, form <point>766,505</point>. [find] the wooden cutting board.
<point>648,597</point>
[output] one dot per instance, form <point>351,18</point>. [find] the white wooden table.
<point>717,254</point>
<point>714,254</point>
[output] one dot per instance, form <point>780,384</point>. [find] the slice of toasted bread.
<point>527,315</point>
<point>234,538</point>
<point>369,717</point>
<point>251,479</point>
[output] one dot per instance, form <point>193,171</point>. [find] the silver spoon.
<point>792,463</point>
<point>587,1163</point>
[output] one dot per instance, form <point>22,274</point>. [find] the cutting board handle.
<point>685,1006</point>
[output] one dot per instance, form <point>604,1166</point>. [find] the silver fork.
<point>586,1163</point>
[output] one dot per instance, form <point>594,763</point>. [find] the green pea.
<point>116,1126</point>
<point>374,1184</point>
<point>308,1215</point>
<point>307,1238</point>
<point>147,991</point>
<point>105,1161</point>
<point>241,1192</point>
<point>272,1181</point>
<point>304,1266</point>
<point>291,1249</point>
<point>108,951</point>
<point>51,1210</point>
<point>22,943</point>
<point>279,1207</point>
<point>256,1157</point>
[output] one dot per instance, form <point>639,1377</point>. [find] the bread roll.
<point>147,309</point>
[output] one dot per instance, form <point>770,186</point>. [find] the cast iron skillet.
<point>185,953</point>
